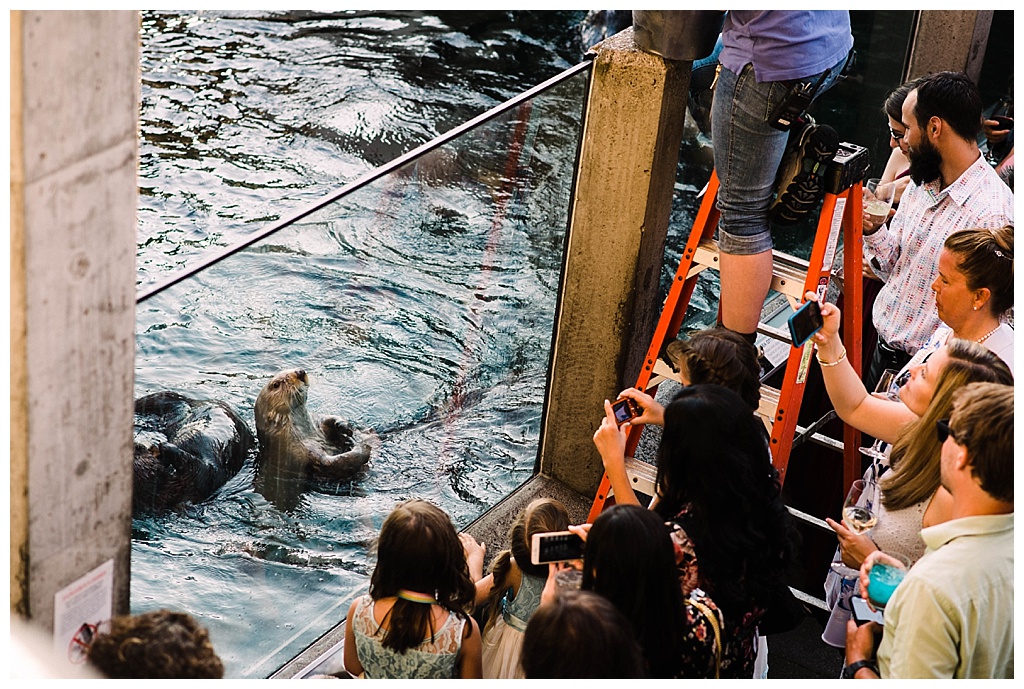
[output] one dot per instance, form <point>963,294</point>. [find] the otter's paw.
<point>337,430</point>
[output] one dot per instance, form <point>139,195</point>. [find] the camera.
<point>804,322</point>
<point>625,409</point>
<point>556,546</point>
<point>848,167</point>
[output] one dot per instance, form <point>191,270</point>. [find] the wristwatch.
<point>850,670</point>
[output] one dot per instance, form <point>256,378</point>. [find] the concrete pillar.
<point>74,157</point>
<point>950,40</point>
<point>622,200</point>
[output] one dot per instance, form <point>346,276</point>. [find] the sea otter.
<point>294,448</point>
<point>185,449</point>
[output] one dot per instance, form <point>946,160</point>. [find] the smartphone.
<point>625,409</point>
<point>862,613</point>
<point>556,546</point>
<point>804,322</point>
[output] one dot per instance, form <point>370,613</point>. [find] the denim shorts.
<point>747,155</point>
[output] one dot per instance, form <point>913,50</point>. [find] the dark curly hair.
<point>714,461</point>
<point>541,515</point>
<point>719,355</point>
<point>155,645</point>
<point>419,550</point>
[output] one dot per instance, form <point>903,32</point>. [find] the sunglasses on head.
<point>943,431</point>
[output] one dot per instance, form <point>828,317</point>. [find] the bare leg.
<point>745,282</point>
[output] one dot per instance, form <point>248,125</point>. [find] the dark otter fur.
<point>185,449</point>
<point>294,447</point>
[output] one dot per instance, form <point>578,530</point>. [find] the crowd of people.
<point>693,583</point>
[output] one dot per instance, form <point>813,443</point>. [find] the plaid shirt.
<point>907,250</point>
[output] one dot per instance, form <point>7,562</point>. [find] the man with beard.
<point>952,188</point>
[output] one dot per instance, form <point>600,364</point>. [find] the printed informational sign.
<point>79,609</point>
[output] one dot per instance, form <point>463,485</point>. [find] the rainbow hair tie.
<point>416,597</point>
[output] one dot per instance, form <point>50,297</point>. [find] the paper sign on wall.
<point>79,609</point>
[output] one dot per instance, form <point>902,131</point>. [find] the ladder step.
<point>788,273</point>
<point>643,476</point>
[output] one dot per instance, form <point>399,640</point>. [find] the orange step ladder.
<point>840,214</point>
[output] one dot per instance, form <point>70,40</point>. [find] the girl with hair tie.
<point>413,623</point>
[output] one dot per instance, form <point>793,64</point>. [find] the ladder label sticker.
<point>833,235</point>
<point>805,363</point>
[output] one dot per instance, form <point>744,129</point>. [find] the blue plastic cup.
<point>884,578</point>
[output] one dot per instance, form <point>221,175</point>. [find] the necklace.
<point>989,334</point>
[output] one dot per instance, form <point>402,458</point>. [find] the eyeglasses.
<point>943,431</point>
<point>896,136</point>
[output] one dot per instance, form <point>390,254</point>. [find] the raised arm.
<point>611,444</point>
<point>880,418</point>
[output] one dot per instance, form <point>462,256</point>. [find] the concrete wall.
<point>623,196</point>
<point>74,112</point>
<point>950,40</point>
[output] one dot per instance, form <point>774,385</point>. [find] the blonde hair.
<point>915,454</point>
<point>541,515</point>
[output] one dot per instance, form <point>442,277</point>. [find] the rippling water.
<point>421,306</point>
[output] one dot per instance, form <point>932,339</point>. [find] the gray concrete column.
<point>74,157</point>
<point>609,303</point>
<point>950,40</point>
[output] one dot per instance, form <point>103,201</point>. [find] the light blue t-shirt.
<point>785,44</point>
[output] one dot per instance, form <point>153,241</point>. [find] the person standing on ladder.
<point>773,63</point>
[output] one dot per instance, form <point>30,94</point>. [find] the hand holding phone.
<point>862,612</point>
<point>625,409</point>
<point>804,322</point>
<point>556,546</point>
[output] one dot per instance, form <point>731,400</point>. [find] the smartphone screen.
<point>862,613</point>
<point>624,410</point>
<point>804,322</point>
<point>556,546</point>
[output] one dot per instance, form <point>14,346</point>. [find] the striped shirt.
<point>907,250</point>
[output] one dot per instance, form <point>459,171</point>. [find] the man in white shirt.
<point>952,188</point>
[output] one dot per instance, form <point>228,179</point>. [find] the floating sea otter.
<point>185,449</point>
<point>294,448</point>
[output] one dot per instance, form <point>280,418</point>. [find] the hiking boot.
<point>799,183</point>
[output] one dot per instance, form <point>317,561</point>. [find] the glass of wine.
<point>858,516</point>
<point>858,510</point>
<point>886,385</point>
<point>878,199</point>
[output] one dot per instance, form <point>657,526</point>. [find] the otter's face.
<point>285,391</point>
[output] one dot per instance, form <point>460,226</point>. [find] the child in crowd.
<point>713,355</point>
<point>580,635</point>
<point>155,645</point>
<point>413,623</point>
<point>513,588</point>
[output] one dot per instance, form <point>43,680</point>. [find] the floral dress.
<point>739,632</point>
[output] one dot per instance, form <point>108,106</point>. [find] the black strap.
<point>850,671</point>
